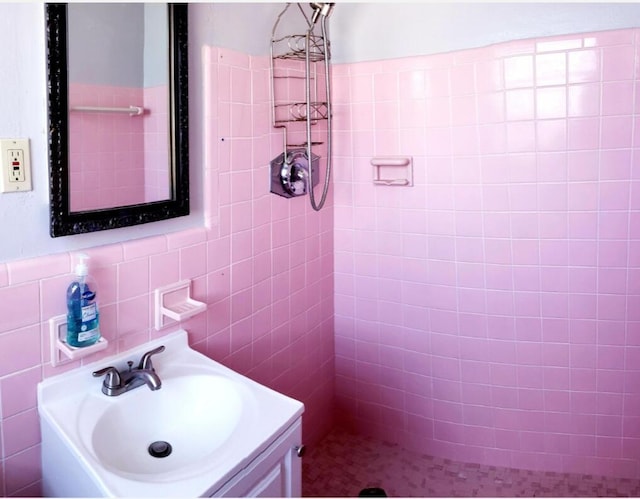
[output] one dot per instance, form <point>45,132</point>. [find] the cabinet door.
<point>277,472</point>
<point>273,484</point>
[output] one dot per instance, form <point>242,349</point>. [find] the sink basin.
<point>208,411</point>
<point>203,426</point>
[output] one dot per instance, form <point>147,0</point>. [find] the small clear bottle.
<point>83,328</point>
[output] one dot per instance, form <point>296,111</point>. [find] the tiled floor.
<point>343,464</point>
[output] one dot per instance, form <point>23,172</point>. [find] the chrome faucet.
<point>118,382</point>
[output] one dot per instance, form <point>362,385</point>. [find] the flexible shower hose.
<point>325,189</point>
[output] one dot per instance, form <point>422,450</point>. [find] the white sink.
<point>195,415</point>
<point>188,438</point>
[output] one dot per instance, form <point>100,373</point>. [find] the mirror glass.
<point>118,109</point>
<point>118,114</point>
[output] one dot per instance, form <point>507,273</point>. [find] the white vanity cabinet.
<point>276,472</point>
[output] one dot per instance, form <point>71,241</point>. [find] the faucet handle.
<point>112,379</point>
<point>145,360</point>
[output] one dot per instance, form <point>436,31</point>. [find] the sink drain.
<point>160,448</point>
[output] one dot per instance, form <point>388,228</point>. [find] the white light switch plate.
<point>15,162</point>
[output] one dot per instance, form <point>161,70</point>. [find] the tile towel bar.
<point>393,170</point>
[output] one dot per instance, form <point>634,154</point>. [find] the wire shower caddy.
<point>289,80</point>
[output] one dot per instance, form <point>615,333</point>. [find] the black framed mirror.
<point>67,216</point>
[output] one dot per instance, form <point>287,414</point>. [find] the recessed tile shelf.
<point>175,302</point>
<point>61,351</point>
<point>393,170</point>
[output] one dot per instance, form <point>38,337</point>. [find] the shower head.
<point>321,9</point>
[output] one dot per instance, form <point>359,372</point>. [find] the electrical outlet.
<point>16,165</point>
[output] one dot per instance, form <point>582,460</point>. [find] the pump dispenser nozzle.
<point>82,268</point>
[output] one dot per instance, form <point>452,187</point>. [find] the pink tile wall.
<point>263,264</point>
<point>276,274</point>
<point>490,313</point>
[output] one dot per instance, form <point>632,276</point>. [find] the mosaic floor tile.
<point>343,464</point>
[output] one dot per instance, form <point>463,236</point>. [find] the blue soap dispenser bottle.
<point>83,327</point>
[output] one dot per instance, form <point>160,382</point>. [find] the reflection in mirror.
<point>118,109</point>
<point>118,114</point>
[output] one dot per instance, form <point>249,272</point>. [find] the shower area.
<point>490,312</point>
